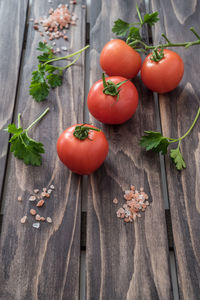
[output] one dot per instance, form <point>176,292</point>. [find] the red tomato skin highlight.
<point>165,75</point>
<point>106,108</point>
<point>118,58</point>
<point>82,156</point>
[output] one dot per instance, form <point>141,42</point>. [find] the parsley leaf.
<point>47,52</point>
<point>48,76</point>
<point>54,80</point>
<point>24,147</point>
<point>120,27</point>
<point>177,158</point>
<point>134,33</point>
<point>39,91</point>
<point>154,141</point>
<point>151,19</point>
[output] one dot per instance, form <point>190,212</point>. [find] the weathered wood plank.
<point>178,110</point>
<point>44,263</point>
<point>11,40</point>
<point>124,261</point>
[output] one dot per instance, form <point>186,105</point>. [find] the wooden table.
<point>157,256</point>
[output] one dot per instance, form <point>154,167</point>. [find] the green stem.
<point>147,47</point>
<point>191,127</point>
<point>19,120</point>
<point>195,33</point>
<point>139,15</point>
<point>194,122</point>
<point>92,128</point>
<point>68,56</point>
<point>69,65</point>
<point>40,117</point>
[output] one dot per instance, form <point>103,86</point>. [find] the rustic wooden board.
<point>178,110</point>
<point>124,261</point>
<point>11,42</point>
<point>44,263</point>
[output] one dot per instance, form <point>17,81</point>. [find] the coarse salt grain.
<point>33,212</point>
<point>36,225</point>
<point>37,217</point>
<point>23,219</point>
<point>52,187</point>
<point>49,220</point>
<point>32,198</point>
<point>40,203</point>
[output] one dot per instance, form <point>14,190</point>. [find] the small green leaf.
<point>134,33</point>
<point>154,141</point>
<point>177,158</point>
<point>39,91</point>
<point>13,129</point>
<point>44,47</point>
<point>50,68</point>
<point>27,149</point>
<point>151,19</point>
<point>120,27</point>
<point>54,80</point>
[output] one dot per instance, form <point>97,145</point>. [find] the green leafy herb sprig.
<point>24,147</point>
<point>157,142</point>
<point>48,76</point>
<point>131,31</point>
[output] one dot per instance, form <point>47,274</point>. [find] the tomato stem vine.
<point>81,132</point>
<point>110,88</point>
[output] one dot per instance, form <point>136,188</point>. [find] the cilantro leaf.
<point>120,27</point>
<point>24,147</point>
<point>134,33</point>
<point>154,141</point>
<point>54,80</point>
<point>177,158</point>
<point>151,19</point>
<point>13,129</point>
<point>47,52</point>
<point>27,149</point>
<point>44,47</point>
<point>39,91</point>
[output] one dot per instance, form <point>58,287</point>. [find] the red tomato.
<point>82,156</point>
<point>108,109</point>
<point>165,75</point>
<point>118,58</point>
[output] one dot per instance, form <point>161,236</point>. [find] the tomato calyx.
<point>157,54</point>
<point>110,88</point>
<point>81,132</point>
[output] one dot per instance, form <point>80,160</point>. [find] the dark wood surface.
<point>123,261</point>
<point>178,109</point>
<point>44,263</point>
<point>11,42</point>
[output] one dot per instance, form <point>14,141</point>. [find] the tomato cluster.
<point>114,100</point>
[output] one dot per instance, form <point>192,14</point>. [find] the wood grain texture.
<point>44,264</point>
<point>11,41</point>
<point>124,261</point>
<point>178,110</point>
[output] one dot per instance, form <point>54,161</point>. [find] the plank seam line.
<point>14,106</point>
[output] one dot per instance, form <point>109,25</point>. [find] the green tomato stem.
<point>169,44</point>
<point>40,117</point>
